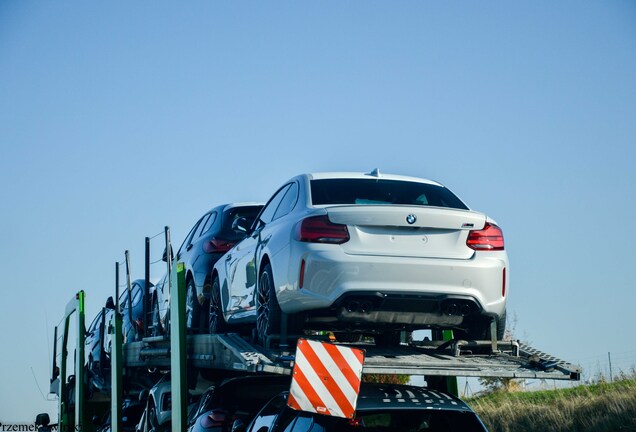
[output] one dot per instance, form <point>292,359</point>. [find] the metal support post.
<point>178,357</point>
<point>146,296</point>
<point>79,364</point>
<point>451,381</point>
<point>116,365</point>
<point>168,270</point>
<point>283,345</point>
<point>133,327</point>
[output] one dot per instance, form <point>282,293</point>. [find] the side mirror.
<point>42,419</point>
<point>238,426</point>
<point>110,303</point>
<point>164,258</point>
<point>241,225</point>
<point>143,395</point>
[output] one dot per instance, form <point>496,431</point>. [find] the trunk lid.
<point>429,232</point>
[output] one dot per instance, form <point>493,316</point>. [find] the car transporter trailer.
<point>439,361</point>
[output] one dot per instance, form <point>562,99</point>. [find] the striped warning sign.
<point>326,378</point>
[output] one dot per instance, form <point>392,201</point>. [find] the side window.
<point>208,224</point>
<point>136,294</point>
<point>288,202</point>
<point>95,324</point>
<point>204,221</point>
<point>267,215</point>
<point>188,238</point>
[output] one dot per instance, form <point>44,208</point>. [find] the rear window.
<point>248,212</point>
<point>388,192</point>
<point>401,420</point>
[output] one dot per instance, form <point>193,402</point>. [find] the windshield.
<point>387,192</point>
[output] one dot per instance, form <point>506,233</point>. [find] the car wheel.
<point>152,419</point>
<point>482,331</point>
<point>192,306</point>
<point>216,321</point>
<point>348,337</point>
<point>267,308</point>
<point>388,338</point>
<point>157,330</point>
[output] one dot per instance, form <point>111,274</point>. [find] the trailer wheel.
<point>267,307</point>
<point>192,306</point>
<point>216,321</point>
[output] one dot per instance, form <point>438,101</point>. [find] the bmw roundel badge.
<point>411,219</point>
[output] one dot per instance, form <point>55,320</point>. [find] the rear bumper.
<point>416,291</point>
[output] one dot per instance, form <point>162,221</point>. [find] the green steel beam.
<point>178,353</point>
<point>451,381</point>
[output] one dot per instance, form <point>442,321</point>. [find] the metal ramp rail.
<point>454,358</point>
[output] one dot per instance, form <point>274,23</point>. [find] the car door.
<point>241,263</point>
<point>163,293</point>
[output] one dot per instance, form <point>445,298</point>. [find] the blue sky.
<point>119,118</point>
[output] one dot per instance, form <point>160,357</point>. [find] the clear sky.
<point>117,118</point>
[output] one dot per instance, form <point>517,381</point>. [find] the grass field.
<point>601,407</point>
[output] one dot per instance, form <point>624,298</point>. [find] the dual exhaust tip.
<point>359,306</point>
<point>455,309</point>
<point>449,308</point>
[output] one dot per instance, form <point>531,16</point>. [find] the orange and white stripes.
<point>326,378</point>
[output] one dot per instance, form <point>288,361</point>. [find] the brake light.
<point>214,420</point>
<point>490,238</point>
<point>218,245</point>
<point>319,229</point>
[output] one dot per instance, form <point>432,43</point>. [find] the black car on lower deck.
<point>235,401</point>
<point>380,408</point>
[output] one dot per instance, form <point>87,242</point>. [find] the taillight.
<point>319,229</point>
<point>214,420</point>
<point>490,238</point>
<point>218,245</point>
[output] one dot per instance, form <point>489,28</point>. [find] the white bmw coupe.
<point>359,253</point>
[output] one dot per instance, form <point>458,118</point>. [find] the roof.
<point>381,396</point>
<point>359,175</point>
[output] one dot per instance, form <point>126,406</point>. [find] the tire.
<point>388,338</point>
<point>192,307</point>
<point>482,331</point>
<point>348,337</point>
<point>267,308</point>
<point>152,419</point>
<point>157,329</point>
<point>216,321</point>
